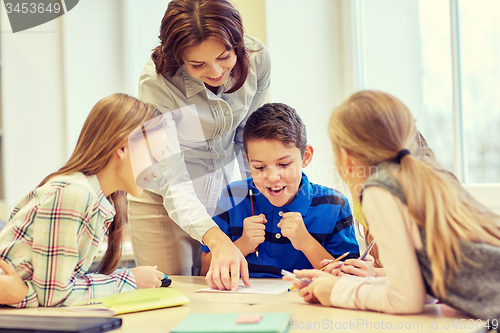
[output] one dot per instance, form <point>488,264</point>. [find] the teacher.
<point>207,77</point>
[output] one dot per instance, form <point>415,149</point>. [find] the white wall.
<point>94,51</point>
<point>52,75</point>
<point>34,136</point>
<point>253,14</point>
<point>308,70</point>
<point>142,31</point>
<point>391,58</point>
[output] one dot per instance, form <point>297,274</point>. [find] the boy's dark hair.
<point>276,121</point>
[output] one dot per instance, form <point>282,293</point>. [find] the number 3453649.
<point>31,7</point>
<point>471,323</point>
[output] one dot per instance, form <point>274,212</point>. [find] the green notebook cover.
<point>135,300</point>
<point>271,322</point>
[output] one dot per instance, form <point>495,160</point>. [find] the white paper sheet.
<point>257,286</point>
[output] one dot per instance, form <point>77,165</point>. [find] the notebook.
<point>28,324</point>
<point>271,322</point>
<point>134,301</point>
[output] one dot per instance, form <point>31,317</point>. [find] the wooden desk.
<point>305,317</point>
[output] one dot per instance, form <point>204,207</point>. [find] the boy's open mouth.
<point>276,190</point>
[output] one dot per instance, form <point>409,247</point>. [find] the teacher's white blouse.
<point>209,131</point>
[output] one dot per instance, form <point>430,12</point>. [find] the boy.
<point>288,223</point>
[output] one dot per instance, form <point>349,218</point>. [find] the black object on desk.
<point>46,324</point>
<point>166,282</point>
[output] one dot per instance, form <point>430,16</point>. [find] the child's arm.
<point>292,226</point>
<point>379,271</point>
<point>403,288</point>
<point>64,238</point>
<point>12,288</point>
<point>254,233</point>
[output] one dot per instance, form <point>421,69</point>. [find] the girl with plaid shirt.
<point>54,233</point>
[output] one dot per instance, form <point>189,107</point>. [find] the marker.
<point>166,281</point>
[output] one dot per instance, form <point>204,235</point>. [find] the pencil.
<point>323,268</point>
<point>251,201</point>
<point>343,256</point>
<point>331,262</point>
<point>369,247</point>
<point>253,213</point>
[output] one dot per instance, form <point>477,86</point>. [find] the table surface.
<point>305,317</point>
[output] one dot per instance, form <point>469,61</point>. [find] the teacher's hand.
<point>12,288</point>
<point>227,262</point>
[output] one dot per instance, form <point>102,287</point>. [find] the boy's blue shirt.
<point>326,214</point>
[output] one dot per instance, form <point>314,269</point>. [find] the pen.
<point>363,256</point>
<point>331,262</point>
<point>253,214</point>
<point>287,273</point>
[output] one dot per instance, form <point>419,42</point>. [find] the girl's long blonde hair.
<point>106,128</point>
<point>374,126</point>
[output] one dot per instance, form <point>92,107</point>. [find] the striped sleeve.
<point>64,236</point>
<point>343,237</point>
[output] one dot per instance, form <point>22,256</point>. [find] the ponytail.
<point>374,126</point>
<point>438,202</point>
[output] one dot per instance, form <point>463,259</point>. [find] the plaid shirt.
<point>52,237</point>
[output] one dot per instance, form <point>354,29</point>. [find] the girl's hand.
<point>320,288</point>
<point>302,288</point>
<point>334,268</point>
<point>358,267</point>
<point>147,276</point>
<point>12,288</point>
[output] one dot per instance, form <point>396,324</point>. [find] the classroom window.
<point>440,57</point>
<point>479,69</point>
